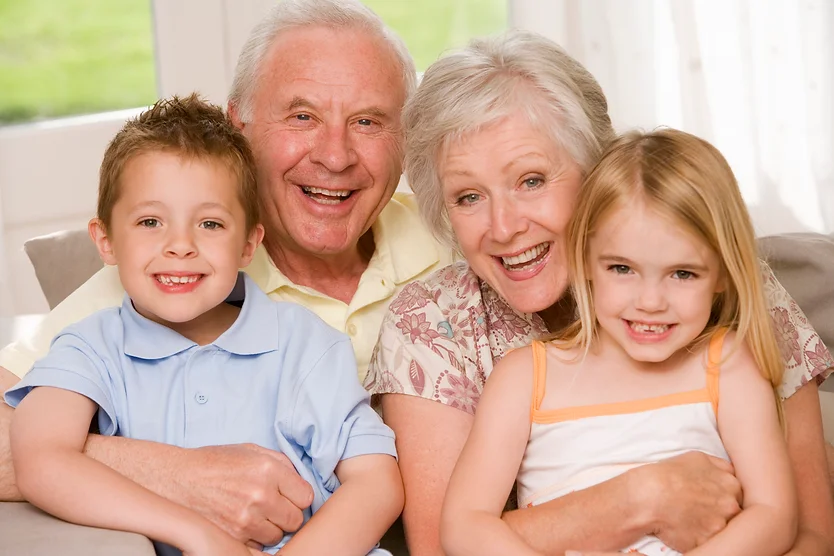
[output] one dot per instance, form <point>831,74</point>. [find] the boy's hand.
<point>214,542</point>
<point>252,493</point>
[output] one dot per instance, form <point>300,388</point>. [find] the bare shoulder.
<point>737,362</point>
<point>513,373</point>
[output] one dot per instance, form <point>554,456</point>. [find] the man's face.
<point>326,136</point>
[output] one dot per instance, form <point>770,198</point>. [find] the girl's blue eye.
<point>684,275</point>
<point>620,269</point>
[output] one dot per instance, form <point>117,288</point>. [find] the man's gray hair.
<point>289,14</point>
<point>490,79</point>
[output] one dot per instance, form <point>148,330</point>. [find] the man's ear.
<point>234,115</point>
<point>252,242</point>
<point>98,233</point>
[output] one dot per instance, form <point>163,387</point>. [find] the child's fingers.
<point>255,552</point>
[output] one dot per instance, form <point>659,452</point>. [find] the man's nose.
<point>334,148</point>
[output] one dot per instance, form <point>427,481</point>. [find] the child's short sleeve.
<point>332,418</point>
<point>71,364</point>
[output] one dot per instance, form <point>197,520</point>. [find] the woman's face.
<point>510,192</point>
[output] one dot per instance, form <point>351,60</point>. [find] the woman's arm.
<point>806,449</point>
<point>48,432</point>
<point>353,520</point>
<point>753,438</point>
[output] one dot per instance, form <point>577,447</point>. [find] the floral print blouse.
<point>442,336</point>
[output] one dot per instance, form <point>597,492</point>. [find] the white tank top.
<point>577,447</point>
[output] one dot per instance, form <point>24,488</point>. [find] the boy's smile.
<point>178,235</point>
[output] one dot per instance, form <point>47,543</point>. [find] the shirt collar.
<point>404,248</point>
<point>248,335</point>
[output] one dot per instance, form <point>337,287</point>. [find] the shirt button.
<point>201,398</point>
<point>351,329</point>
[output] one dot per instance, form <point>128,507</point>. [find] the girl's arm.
<point>749,427</point>
<point>353,520</point>
<point>486,470</point>
<point>48,432</point>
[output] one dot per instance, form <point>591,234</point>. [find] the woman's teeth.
<point>326,196</point>
<point>528,259</point>
<point>653,328</point>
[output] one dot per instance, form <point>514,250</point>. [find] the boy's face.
<point>178,235</point>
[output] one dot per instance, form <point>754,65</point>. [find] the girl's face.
<point>653,282</point>
<point>510,193</point>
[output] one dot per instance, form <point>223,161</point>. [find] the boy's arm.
<point>48,433</point>
<point>357,515</point>
<point>486,470</point>
<point>749,427</point>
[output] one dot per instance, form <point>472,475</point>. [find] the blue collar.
<point>253,332</point>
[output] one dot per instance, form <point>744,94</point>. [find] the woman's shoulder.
<point>453,287</point>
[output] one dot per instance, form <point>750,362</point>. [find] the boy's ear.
<point>252,242</point>
<point>98,233</point>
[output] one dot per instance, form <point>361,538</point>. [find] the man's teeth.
<point>170,280</point>
<point>653,328</point>
<point>530,255</point>
<point>327,196</point>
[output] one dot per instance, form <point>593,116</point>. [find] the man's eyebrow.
<point>372,111</point>
<point>299,102</point>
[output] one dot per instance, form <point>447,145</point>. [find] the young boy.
<point>197,355</point>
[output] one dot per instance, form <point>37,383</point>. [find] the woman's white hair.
<point>289,14</point>
<point>490,79</point>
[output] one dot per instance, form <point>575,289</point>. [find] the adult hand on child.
<point>252,493</point>
<point>691,497</point>
<point>575,553</point>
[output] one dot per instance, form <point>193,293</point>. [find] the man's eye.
<point>303,117</point>
<point>149,223</point>
<point>365,122</point>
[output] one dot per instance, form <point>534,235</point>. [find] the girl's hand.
<point>690,497</point>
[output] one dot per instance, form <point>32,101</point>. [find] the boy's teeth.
<point>168,280</point>
<point>654,328</point>
<point>525,257</point>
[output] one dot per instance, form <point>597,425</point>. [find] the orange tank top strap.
<point>539,375</point>
<point>716,346</point>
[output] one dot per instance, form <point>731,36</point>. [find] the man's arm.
<point>250,492</point>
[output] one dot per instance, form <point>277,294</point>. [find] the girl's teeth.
<point>654,328</point>
<point>529,255</point>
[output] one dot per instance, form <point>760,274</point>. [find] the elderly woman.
<point>499,137</point>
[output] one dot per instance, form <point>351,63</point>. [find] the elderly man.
<point>318,91</point>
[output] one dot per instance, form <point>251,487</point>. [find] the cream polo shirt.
<point>405,251</point>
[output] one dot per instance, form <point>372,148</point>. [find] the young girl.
<point>673,351</point>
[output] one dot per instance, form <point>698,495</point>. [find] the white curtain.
<point>754,77</point>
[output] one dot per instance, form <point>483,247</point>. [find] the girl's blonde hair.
<point>688,180</point>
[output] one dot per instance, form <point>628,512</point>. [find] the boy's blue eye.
<point>211,225</point>
<point>149,223</point>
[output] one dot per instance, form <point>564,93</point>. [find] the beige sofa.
<point>804,263</point>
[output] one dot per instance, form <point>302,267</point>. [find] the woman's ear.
<point>98,233</point>
<point>256,235</point>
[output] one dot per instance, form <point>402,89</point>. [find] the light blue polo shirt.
<point>279,377</point>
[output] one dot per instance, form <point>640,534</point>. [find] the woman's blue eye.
<point>468,199</point>
<point>533,182</point>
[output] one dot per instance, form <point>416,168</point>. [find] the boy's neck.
<point>209,326</point>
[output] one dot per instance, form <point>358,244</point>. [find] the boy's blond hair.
<point>686,179</point>
<point>188,127</point>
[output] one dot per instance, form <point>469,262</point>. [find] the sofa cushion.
<point>62,261</point>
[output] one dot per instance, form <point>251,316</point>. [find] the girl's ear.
<point>98,233</point>
<point>252,242</point>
